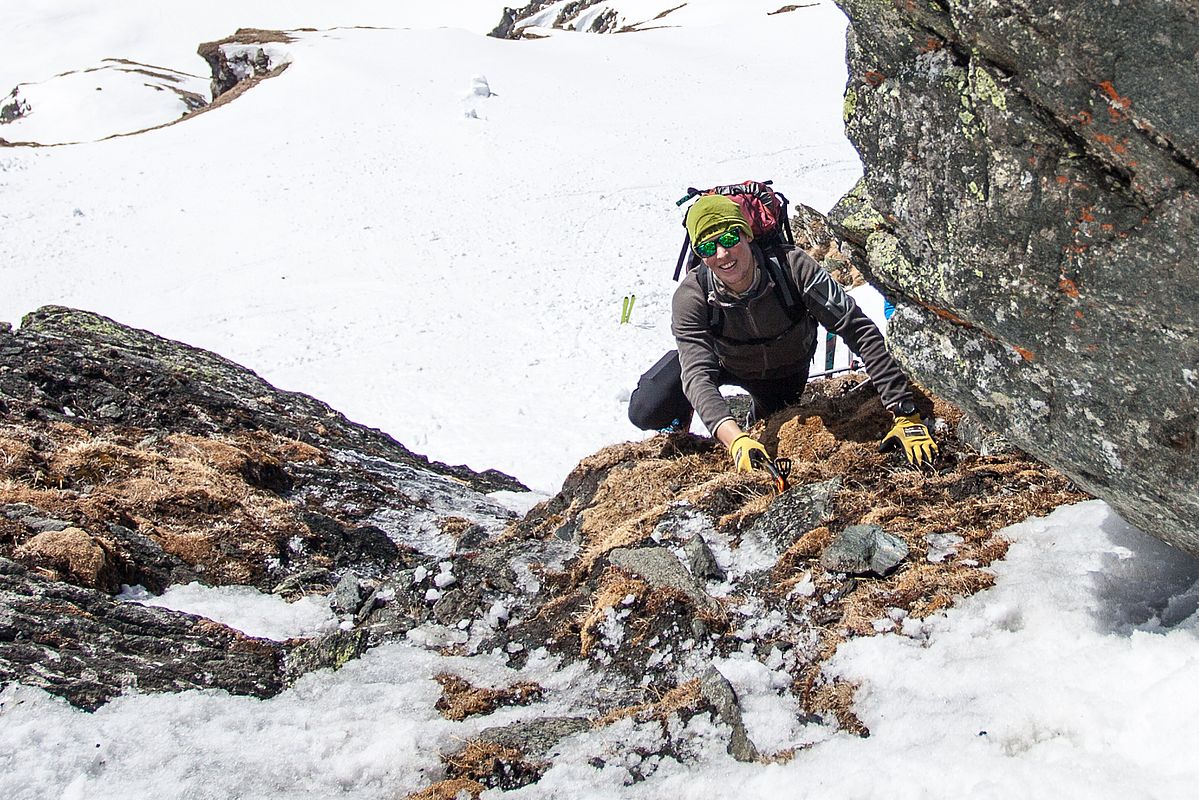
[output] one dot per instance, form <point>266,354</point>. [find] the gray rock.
<point>44,525</point>
<point>537,737</point>
<point>659,567</point>
<point>472,538</point>
<point>145,563</point>
<point>372,601</point>
<point>796,511</point>
<point>719,692</point>
<point>318,579</point>
<point>18,510</point>
<point>972,432</point>
<point>700,560</point>
<point>347,596</point>
<point>242,61</point>
<point>1031,201</point>
<point>863,549</point>
<point>455,605</point>
<point>330,651</point>
<point>575,15</point>
<point>86,647</point>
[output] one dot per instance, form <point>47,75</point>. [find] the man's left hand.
<point>911,432</point>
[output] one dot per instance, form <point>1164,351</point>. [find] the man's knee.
<point>652,411</point>
<point>658,401</point>
<point>642,413</point>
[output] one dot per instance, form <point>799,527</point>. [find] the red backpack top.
<point>763,207</point>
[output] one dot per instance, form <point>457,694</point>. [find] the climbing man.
<point>747,318</point>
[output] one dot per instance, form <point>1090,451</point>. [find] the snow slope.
<point>369,229</point>
<point>348,231</point>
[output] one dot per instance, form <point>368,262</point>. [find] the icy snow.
<point>347,231</point>
<point>245,608</point>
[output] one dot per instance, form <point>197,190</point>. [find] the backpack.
<point>766,211</point>
<point>763,207</point>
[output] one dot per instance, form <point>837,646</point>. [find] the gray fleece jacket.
<point>760,314</point>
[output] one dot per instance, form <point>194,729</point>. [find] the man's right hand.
<point>747,453</point>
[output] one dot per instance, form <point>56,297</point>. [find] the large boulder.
<point>1030,200</point>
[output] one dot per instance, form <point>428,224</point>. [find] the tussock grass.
<point>189,494</point>
<point>686,698</point>
<point>452,789</point>
<point>615,587</point>
<point>459,699</point>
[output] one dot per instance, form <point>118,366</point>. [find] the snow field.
<point>347,231</point>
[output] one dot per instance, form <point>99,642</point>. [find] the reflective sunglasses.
<point>728,240</point>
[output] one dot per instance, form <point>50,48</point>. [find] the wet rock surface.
<point>1030,200</point>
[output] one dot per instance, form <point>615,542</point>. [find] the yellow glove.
<point>912,433</point>
<point>746,450</point>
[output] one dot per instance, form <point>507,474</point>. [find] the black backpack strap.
<point>784,284</point>
<point>785,220</point>
<point>715,317</point>
<point>685,257</point>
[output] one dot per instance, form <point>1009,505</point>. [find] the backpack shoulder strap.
<point>686,258</point>
<point>779,270</point>
<point>715,318</point>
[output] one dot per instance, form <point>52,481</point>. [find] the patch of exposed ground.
<point>214,503</point>
<point>459,699</point>
<point>650,494</point>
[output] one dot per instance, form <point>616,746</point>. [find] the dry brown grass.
<point>188,493</point>
<point>459,699</point>
<point>452,789</point>
<point>74,555</point>
<point>632,500</point>
<point>836,699</point>
<point>615,587</point>
<point>686,697</point>
<point>454,526</point>
<point>492,765</point>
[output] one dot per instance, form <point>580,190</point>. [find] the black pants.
<point>658,401</point>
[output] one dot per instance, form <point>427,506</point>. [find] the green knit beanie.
<point>712,215</point>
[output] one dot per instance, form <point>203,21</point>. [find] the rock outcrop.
<point>87,647</point>
<point>573,15</point>
<point>591,16</point>
<point>126,458</point>
<point>1031,200</point>
<point>243,60</point>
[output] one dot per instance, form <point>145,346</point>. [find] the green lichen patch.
<point>850,105</point>
<point>985,89</point>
